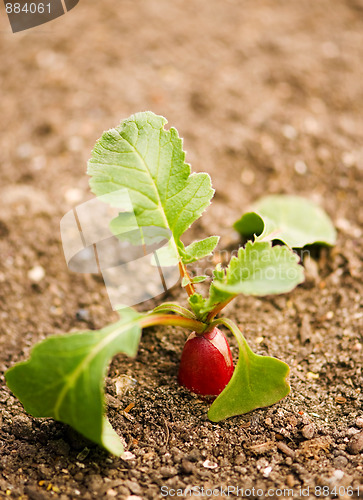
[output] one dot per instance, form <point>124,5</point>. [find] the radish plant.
<point>63,378</point>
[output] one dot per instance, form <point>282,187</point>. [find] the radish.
<point>206,364</point>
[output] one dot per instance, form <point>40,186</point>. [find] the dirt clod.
<point>355,444</point>
<point>308,431</point>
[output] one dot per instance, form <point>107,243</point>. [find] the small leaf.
<point>201,306</point>
<point>148,161</point>
<point>199,249</point>
<point>257,381</point>
<point>196,302</point>
<point>198,279</point>
<point>261,269</point>
<point>193,280</point>
<point>64,377</point>
<point>185,282</point>
<point>294,220</point>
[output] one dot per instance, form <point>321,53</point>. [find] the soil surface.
<point>268,96</point>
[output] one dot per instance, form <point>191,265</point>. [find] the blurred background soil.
<point>268,96</point>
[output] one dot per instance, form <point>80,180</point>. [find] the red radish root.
<point>206,364</point>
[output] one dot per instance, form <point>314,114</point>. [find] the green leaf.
<point>199,279</point>
<point>147,160</point>
<point>294,220</point>
<point>199,249</point>
<point>197,302</point>
<point>257,381</point>
<point>64,377</point>
<point>261,269</point>
<point>193,280</point>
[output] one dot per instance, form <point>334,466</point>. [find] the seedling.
<point>63,378</point>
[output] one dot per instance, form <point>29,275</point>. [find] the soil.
<point>268,96</point>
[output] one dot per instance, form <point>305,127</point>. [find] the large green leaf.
<point>257,381</point>
<point>64,377</point>
<point>260,269</point>
<point>147,160</point>
<point>294,220</point>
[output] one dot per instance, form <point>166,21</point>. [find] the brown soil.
<point>269,98</point>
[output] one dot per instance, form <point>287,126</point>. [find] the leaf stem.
<point>218,308</point>
<point>175,308</point>
<point>184,274</point>
<point>169,319</point>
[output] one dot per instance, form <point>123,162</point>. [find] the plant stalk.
<point>169,319</point>
<point>218,309</point>
<point>184,274</point>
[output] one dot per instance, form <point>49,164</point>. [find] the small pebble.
<point>300,167</point>
<point>187,467</point>
<point>240,459</point>
<point>36,274</point>
<point>351,431</point>
<point>286,449</point>
<point>24,150</point>
<point>340,462</point>
<point>111,493</point>
<point>75,143</point>
<point>290,481</point>
<point>82,315</point>
<point>133,487</point>
<point>359,422</point>
<point>349,159</point>
<point>338,474</point>
<point>305,329</point>
<point>127,455</point>
<point>247,177</point>
<point>308,431</point>
<point>73,195</point>
<point>209,465</point>
<point>83,454</point>
<point>167,472</point>
<point>194,455</point>
<point>289,132</point>
<point>123,384</point>
<point>355,444</point>
<point>266,472</point>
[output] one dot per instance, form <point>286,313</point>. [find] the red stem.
<point>218,309</point>
<point>184,274</point>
